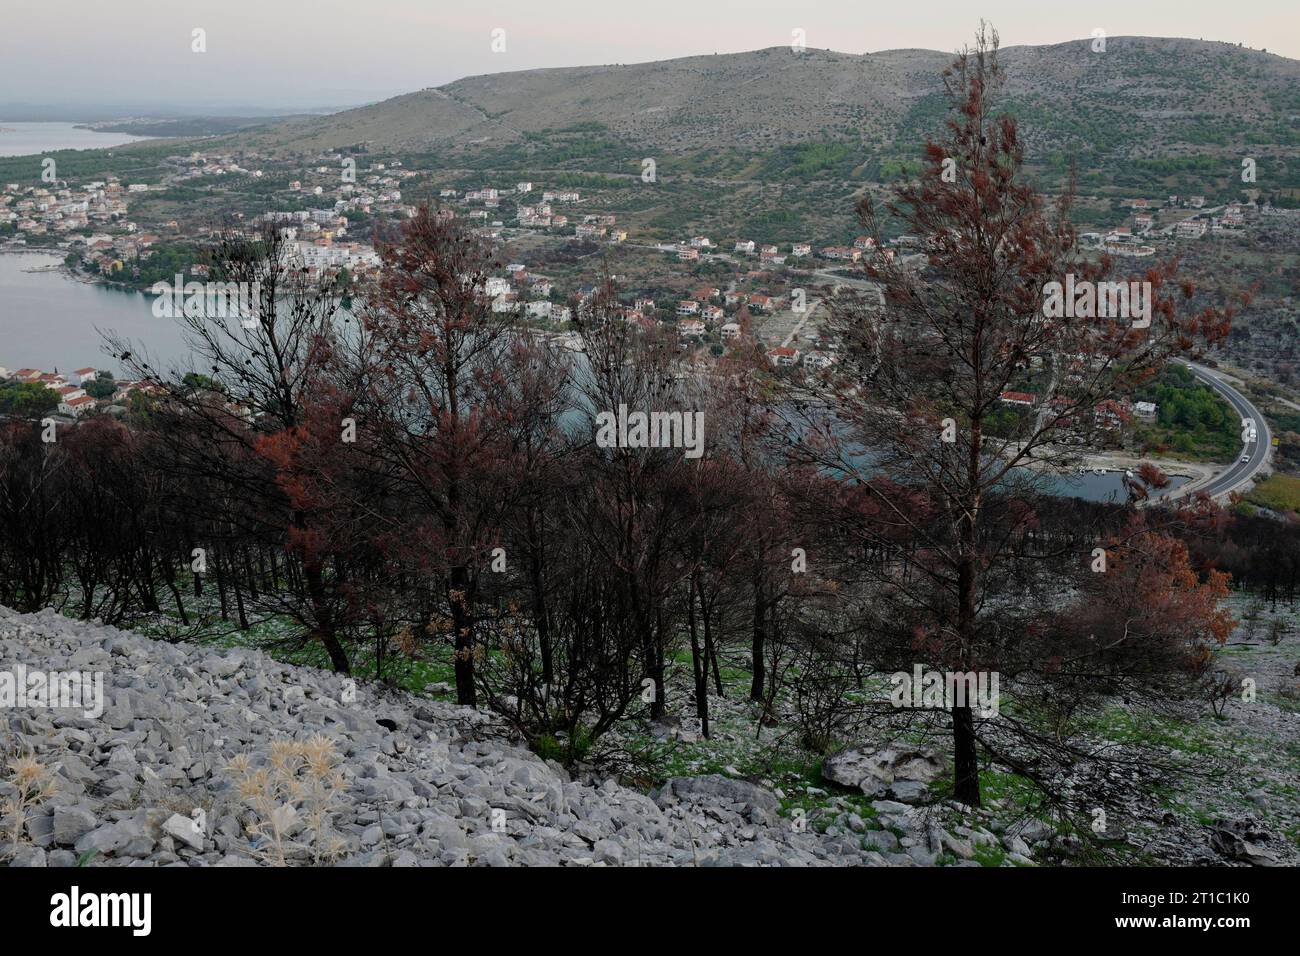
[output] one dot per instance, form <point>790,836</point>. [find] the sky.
<point>275,54</point>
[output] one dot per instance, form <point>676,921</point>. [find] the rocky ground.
<point>191,764</point>
<point>1234,801</point>
<point>188,766</point>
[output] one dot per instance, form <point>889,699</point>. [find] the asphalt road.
<point>1239,472</point>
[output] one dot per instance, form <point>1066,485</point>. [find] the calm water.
<point>48,321</point>
<point>1107,487</point>
<point>24,139</point>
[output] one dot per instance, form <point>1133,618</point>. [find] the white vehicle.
<point>1246,457</point>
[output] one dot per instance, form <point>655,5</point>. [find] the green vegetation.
<point>1152,730</point>
<point>162,263</point>
<point>103,386</point>
<point>138,163</point>
<point>1192,421</point>
<point>807,161</point>
<point>26,399</point>
<point>1278,492</point>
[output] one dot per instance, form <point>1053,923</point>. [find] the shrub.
<point>32,784</point>
<point>293,790</point>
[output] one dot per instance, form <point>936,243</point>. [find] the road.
<point>1239,472</point>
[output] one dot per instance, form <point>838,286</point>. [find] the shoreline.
<point>63,269</point>
<point>1196,473</point>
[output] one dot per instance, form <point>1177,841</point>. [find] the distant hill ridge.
<point>1143,96</point>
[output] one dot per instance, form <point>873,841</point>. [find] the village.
<point>712,294</point>
<point>81,392</point>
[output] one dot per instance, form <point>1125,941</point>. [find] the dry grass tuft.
<point>33,783</point>
<point>293,793</point>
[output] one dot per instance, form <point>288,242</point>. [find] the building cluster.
<point>1154,221</point>
<point>525,293</point>
<point>532,214</point>
<point>51,209</point>
<point>70,387</point>
<point>771,254</point>
<point>1111,414</point>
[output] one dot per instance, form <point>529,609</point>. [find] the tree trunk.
<point>540,618</point>
<point>324,631</point>
<point>710,651</point>
<point>757,667</point>
<point>699,663</point>
<point>966,773</point>
<point>463,624</point>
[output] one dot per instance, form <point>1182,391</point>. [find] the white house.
<point>83,375</point>
<point>817,360</point>
<point>76,406</point>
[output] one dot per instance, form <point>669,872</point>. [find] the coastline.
<point>63,269</point>
<point>1196,473</point>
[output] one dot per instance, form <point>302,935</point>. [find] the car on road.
<point>1246,457</point>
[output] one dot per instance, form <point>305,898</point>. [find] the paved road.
<point>1239,472</point>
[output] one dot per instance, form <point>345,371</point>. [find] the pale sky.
<point>302,53</point>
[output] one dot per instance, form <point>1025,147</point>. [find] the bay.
<point>27,139</point>
<point>50,321</point>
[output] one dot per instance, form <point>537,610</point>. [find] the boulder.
<point>717,787</point>
<point>185,830</point>
<point>874,772</point>
<point>71,824</point>
<point>110,837</point>
<point>1232,843</point>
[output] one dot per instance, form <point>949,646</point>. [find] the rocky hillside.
<point>1141,97</point>
<point>203,758</point>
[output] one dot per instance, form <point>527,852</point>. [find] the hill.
<point>1142,97</point>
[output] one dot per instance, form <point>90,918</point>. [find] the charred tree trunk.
<point>699,661</point>
<point>462,622</point>
<point>758,650</point>
<point>324,631</point>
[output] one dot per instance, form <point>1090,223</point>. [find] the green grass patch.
<point>1278,492</point>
